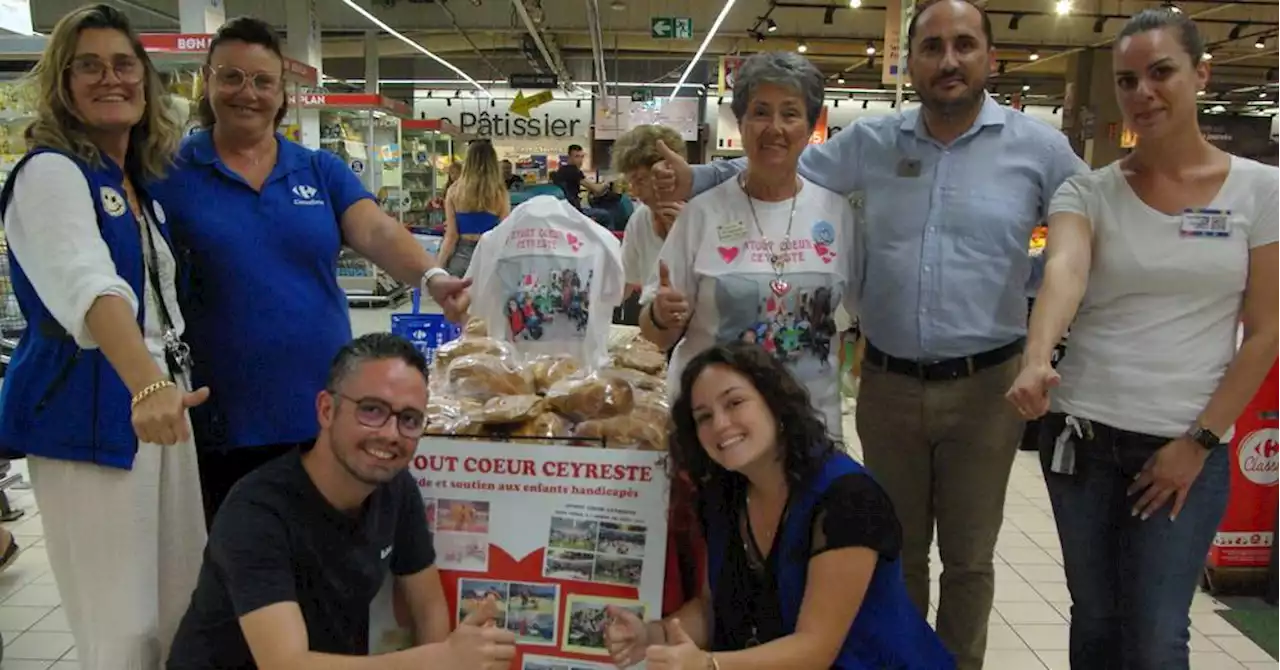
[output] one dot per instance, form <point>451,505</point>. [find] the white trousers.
<point>125,547</point>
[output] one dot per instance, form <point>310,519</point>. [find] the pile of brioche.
<point>481,386</point>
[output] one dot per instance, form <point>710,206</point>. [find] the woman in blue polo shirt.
<point>95,396</point>
<point>804,562</point>
<point>260,223</point>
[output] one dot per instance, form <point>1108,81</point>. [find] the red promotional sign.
<point>1248,528</point>
<point>175,42</point>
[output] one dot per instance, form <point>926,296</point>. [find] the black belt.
<point>954,368</point>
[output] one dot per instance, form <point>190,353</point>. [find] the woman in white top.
<point>96,394</point>
<point>1154,261</point>
<point>767,257</point>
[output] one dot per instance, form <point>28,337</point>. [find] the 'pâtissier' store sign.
<point>561,119</point>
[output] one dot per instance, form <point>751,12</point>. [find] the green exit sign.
<point>671,27</point>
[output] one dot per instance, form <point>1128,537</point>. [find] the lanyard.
<point>176,352</point>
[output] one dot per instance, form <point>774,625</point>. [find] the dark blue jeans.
<point>1131,581</point>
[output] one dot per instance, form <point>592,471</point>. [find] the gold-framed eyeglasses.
<point>230,79</point>
<point>374,413</point>
<point>128,69</point>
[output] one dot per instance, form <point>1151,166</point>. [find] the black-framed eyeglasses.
<point>128,69</point>
<point>374,413</point>
<point>231,79</point>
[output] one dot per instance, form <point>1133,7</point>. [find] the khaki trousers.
<point>943,450</point>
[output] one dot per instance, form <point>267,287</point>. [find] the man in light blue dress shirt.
<point>952,192</point>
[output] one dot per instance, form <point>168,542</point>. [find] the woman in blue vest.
<point>259,223</point>
<point>803,547</point>
<point>96,395</point>
<point>473,206</point>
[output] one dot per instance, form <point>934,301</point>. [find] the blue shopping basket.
<point>426,331</point>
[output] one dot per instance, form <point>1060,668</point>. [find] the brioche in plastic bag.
<point>591,397</point>
<point>508,409</point>
<point>482,376</point>
<point>625,432</point>
<point>548,369</point>
<point>448,352</point>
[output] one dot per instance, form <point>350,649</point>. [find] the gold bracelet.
<point>150,391</point>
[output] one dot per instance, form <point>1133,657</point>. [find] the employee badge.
<point>1204,222</point>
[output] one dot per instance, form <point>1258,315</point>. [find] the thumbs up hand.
<point>672,176</point>
<point>625,636</point>
<point>680,652</point>
<point>670,307</point>
<point>478,644</point>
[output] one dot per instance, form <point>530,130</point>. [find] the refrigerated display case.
<point>364,129</point>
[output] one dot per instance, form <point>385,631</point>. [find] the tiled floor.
<point>1028,629</point>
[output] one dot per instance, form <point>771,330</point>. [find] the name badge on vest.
<point>1206,223</point>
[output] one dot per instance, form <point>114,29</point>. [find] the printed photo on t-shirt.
<point>796,325</point>
<point>546,298</point>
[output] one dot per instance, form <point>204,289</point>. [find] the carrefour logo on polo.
<point>1258,456</point>
<point>306,195</point>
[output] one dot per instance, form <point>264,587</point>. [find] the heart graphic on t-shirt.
<point>574,242</point>
<point>824,252</point>
<point>728,254</point>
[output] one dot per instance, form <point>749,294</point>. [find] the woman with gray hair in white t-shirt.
<point>1154,261</point>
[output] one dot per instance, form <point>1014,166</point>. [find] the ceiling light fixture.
<point>840,80</point>
<point>1207,56</point>
<point>1261,43</point>
<point>802,47</point>
<point>771,25</point>
<point>871,48</point>
<point>1026,87</point>
<point>1169,6</point>
<point>1235,31</point>
<point>1063,7</point>
<point>702,48</point>
<point>829,16</point>
<point>1014,20</point>
<point>1099,24</point>
<point>854,4</point>
<point>417,47</point>
<point>1035,56</point>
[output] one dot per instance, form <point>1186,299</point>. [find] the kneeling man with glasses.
<point>303,544</point>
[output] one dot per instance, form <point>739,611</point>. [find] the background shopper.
<point>803,567</point>
<point>93,396</point>
<point>265,309</point>
<point>478,202</point>
<point>766,257</point>
<point>1153,260</point>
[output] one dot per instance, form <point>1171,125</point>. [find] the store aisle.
<point>1028,628</point>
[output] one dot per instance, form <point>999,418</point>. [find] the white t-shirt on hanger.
<point>547,279</point>
<point>1157,326</point>
<point>720,261</point>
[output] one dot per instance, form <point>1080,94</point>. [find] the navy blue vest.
<point>60,401</point>
<point>888,633</point>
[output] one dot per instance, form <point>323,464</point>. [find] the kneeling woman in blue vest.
<point>94,396</point>
<point>802,544</point>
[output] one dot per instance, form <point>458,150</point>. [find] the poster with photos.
<point>549,535</point>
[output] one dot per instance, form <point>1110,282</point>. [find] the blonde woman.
<point>96,393</point>
<point>475,204</point>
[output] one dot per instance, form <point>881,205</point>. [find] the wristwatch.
<point>431,274</point>
<point>1204,437</point>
